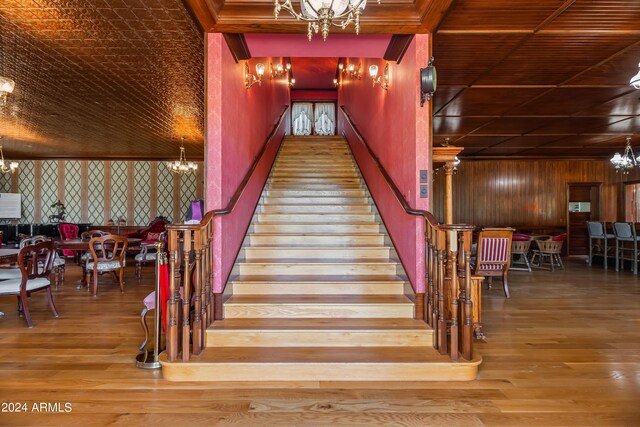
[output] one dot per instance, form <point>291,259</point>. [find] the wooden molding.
<point>238,46</point>
<point>398,45</point>
<point>445,154</point>
<point>205,12</point>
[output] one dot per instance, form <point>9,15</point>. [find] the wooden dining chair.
<point>493,258</point>
<point>36,263</point>
<point>108,255</point>
<point>58,262</point>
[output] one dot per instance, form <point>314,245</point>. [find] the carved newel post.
<point>448,198</point>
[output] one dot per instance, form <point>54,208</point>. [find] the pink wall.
<point>397,130</point>
<point>238,122</point>
<point>314,95</point>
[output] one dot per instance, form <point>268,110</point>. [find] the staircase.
<point>317,291</point>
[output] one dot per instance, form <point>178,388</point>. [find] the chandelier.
<point>181,166</point>
<point>6,87</point>
<point>7,166</point>
<point>635,80</point>
<point>320,14</point>
<point>627,161</point>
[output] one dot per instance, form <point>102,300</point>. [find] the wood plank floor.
<point>543,365</point>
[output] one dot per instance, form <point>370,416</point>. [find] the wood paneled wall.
<point>527,193</point>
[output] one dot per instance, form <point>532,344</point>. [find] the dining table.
<point>82,245</point>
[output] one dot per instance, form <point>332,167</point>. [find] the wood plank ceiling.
<point>545,78</point>
<point>124,79</point>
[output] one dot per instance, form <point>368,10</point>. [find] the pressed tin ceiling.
<point>101,79</point>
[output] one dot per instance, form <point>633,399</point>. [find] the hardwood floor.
<point>563,350</point>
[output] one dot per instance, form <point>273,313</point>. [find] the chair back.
<point>68,231</point>
<point>88,235</point>
<point>596,229</point>
<point>36,261</point>
<point>494,249</point>
<point>520,246</point>
<point>623,230</point>
<point>108,248</point>
<point>33,240</point>
<point>550,246</point>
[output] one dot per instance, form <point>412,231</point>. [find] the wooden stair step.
<point>317,217</point>
<point>304,252</point>
<point>315,193</point>
<point>318,285</point>
<point>316,208</point>
<point>320,364</point>
<point>373,239</point>
<point>281,228</point>
<point>321,200</point>
<point>318,333</point>
<point>318,306</point>
<point>314,267</point>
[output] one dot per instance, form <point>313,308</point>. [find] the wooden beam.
<point>205,12</point>
<point>238,46</point>
<point>398,45</point>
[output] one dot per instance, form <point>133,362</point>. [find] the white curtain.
<point>325,118</point>
<point>301,115</point>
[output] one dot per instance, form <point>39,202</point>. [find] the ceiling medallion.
<point>321,13</point>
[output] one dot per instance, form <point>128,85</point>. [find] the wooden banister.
<point>192,303</point>
<point>447,305</point>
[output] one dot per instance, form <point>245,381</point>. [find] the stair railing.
<point>192,304</point>
<point>446,304</point>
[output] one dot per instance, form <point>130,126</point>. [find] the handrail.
<point>192,304</point>
<point>446,304</point>
<point>243,185</point>
<point>394,188</point>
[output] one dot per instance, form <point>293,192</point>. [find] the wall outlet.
<point>424,191</point>
<point>424,176</point>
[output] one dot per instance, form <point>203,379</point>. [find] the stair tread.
<point>318,278</point>
<point>302,355</point>
<point>320,261</point>
<point>311,324</point>
<point>334,300</point>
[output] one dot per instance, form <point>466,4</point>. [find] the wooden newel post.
<point>448,200</point>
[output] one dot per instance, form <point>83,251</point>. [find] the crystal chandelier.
<point>181,166</point>
<point>7,166</point>
<point>320,14</point>
<point>635,80</point>
<point>627,161</point>
<point>6,87</point>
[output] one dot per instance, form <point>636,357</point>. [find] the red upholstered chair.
<point>67,232</point>
<point>494,255</point>
<point>151,234</point>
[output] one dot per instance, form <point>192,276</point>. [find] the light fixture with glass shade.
<point>6,87</point>
<point>635,80</point>
<point>320,14</point>
<point>5,165</point>
<point>251,79</point>
<point>627,160</point>
<point>382,80</point>
<point>181,166</point>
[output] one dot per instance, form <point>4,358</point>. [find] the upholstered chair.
<point>107,256</point>
<point>494,255</point>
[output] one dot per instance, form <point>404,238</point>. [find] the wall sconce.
<point>382,80</point>
<point>635,80</point>
<point>428,82</point>
<point>292,82</point>
<point>336,82</point>
<point>279,70</point>
<point>351,70</point>
<point>251,79</point>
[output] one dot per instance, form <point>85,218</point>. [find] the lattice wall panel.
<point>49,188</point>
<point>26,187</point>
<point>95,190</point>
<point>72,194</point>
<point>165,192</point>
<point>142,192</point>
<point>119,189</point>
<point>187,191</point>
<point>5,187</point>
